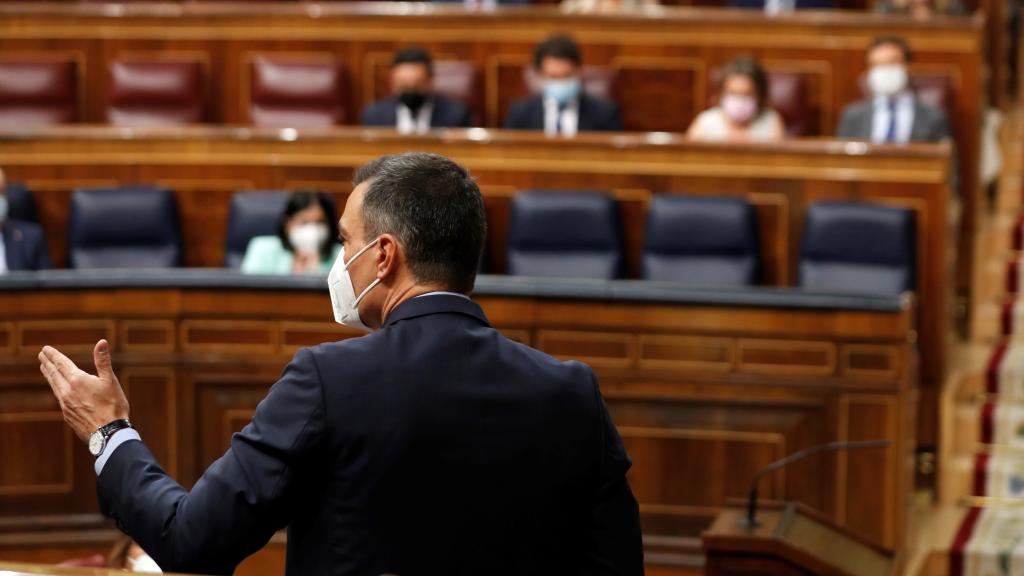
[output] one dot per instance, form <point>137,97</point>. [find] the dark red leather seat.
<point>38,92</point>
<point>297,93</point>
<point>155,93</point>
<point>459,80</point>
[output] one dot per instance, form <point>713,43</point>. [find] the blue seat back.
<point>127,227</point>
<point>570,234</point>
<point>858,247</point>
<point>701,241</point>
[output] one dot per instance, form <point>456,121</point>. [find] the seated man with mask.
<point>562,107</point>
<point>22,244</point>
<point>414,107</point>
<point>893,114</point>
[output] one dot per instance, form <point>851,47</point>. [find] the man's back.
<point>434,446</point>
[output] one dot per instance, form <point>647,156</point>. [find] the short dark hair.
<point>434,208</point>
<point>897,41</point>
<point>560,46</point>
<point>414,55</point>
<point>747,66</point>
<point>299,201</point>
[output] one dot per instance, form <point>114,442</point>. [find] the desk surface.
<point>618,291</point>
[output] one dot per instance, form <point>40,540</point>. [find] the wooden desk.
<point>664,57</point>
<point>207,166</point>
<point>706,387</point>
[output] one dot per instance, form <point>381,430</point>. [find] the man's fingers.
<point>62,362</point>
<point>101,357</point>
<point>58,382</point>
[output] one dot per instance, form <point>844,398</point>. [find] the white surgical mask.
<point>887,80</point>
<point>343,293</point>
<point>307,237</point>
<point>144,564</point>
<point>739,109</point>
<point>3,208</point>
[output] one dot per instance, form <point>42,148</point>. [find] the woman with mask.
<point>306,242</point>
<point>742,113</point>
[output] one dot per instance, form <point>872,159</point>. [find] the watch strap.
<point>108,430</point>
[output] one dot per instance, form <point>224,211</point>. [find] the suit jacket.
<point>24,246</point>
<point>432,446</point>
<point>800,4</point>
<point>930,124</point>
<point>446,113</point>
<point>595,114</point>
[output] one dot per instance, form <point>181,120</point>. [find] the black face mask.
<point>413,99</point>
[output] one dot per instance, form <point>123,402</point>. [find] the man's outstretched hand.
<point>88,401</point>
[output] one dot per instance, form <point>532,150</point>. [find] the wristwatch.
<point>98,439</point>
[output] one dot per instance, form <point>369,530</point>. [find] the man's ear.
<point>388,255</point>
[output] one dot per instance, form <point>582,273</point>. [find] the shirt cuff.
<point>120,437</point>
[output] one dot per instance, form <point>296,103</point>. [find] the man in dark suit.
<point>415,107</point>
<point>22,244</point>
<point>433,445</point>
<point>562,107</point>
<point>893,114</point>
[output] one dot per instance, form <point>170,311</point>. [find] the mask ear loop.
<point>372,284</point>
<point>360,253</point>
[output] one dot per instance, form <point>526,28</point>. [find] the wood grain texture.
<point>697,429</point>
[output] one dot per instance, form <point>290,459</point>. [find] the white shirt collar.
<point>406,124</point>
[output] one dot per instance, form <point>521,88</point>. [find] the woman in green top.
<point>306,241</point>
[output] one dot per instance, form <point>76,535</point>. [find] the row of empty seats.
<point>847,247</point>
<point>311,92</point>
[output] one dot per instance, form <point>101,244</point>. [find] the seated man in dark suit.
<point>562,107</point>
<point>22,244</point>
<point>415,108</point>
<point>782,6</point>
<point>433,445</point>
<point>893,113</point>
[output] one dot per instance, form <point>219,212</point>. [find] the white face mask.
<point>887,80</point>
<point>307,237</point>
<point>144,564</point>
<point>3,208</point>
<point>343,293</point>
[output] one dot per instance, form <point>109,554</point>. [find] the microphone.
<point>750,522</point>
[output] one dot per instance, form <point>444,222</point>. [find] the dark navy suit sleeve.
<point>614,542</point>
<point>240,501</point>
<point>614,123</point>
<point>40,257</point>
<point>517,118</point>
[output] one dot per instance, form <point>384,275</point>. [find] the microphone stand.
<point>750,521</point>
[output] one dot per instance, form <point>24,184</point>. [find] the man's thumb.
<point>101,357</point>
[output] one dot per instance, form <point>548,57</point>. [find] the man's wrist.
<point>113,443</point>
<point>98,439</point>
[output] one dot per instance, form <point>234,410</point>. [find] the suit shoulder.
<point>28,230</point>
<point>375,111</point>
<point>570,370</point>
<point>857,108</point>
<point>519,109</point>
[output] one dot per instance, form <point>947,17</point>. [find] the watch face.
<point>96,443</point>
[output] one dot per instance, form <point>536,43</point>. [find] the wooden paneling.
<point>704,395</point>
<point>780,180</point>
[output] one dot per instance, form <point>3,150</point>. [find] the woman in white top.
<point>742,113</point>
